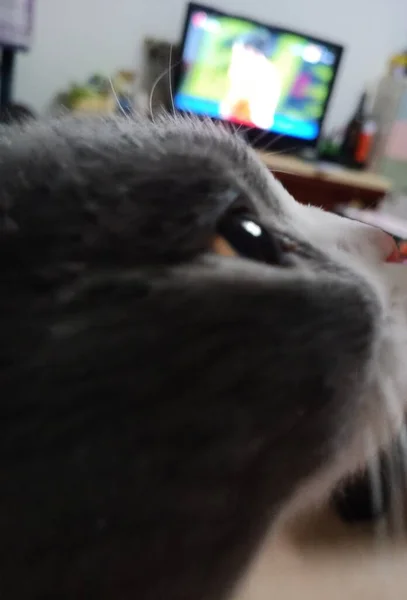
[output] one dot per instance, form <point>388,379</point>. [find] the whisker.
<point>282,172</point>
<point>271,143</point>
<point>395,418</point>
<point>170,78</point>
<point>403,474</point>
<point>116,97</point>
<point>240,127</point>
<point>261,136</point>
<point>289,150</point>
<point>396,508</point>
<point>395,411</point>
<point>381,525</point>
<point>376,486</point>
<point>157,81</point>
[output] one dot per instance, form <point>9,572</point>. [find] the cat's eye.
<point>246,236</point>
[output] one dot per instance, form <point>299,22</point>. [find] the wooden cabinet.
<point>326,186</point>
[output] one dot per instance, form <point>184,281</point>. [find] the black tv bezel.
<point>259,137</point>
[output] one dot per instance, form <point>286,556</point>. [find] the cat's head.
<point>178,334</point>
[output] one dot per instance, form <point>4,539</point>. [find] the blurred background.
<point>106,55</point>
<point>75,38</point>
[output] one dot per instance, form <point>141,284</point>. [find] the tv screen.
<point>266,79</point>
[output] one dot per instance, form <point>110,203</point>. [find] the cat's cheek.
<point>384,401</point>
<point>394,361</point>
<point>395,277</point>
<point>330,232</point>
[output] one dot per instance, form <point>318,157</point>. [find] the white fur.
<point>383,404</point>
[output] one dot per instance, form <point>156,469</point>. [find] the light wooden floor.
<point>319,558</point>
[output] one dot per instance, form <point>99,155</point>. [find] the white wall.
<point>74,38</point>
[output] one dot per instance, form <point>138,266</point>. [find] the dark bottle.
<point>353,132</point>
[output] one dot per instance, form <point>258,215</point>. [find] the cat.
<point>163,403</point>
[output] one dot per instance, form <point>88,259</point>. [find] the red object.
<point>365,142</point>
<point>363,148</point>
<point>394,257</point>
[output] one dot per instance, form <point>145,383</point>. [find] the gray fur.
<point>160,404</point>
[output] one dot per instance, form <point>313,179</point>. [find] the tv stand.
<point>327,186</point>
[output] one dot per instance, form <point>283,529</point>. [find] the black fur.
<point>159,404</point>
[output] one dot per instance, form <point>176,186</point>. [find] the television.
<point>272,83</point>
